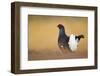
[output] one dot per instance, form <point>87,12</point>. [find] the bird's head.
<point>60,26</point>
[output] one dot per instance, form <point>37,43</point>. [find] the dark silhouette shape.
<point>63,39</point>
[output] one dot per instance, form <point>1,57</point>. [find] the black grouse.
<point>66,42</point>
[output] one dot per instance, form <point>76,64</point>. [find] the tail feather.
<point>79,37</point>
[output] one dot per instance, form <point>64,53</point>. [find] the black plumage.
<point>79,37</point>
<point>63,38</point>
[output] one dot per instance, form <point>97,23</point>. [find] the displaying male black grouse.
<point>67,42</point>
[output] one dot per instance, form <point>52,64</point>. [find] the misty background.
<point>43,36</point>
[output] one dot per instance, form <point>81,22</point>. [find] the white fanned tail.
<point>73,43</point>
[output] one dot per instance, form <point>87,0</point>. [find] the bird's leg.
<point>64,49</point>
<point>61,48</point>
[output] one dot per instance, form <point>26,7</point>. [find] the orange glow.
<point>43,36</point>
